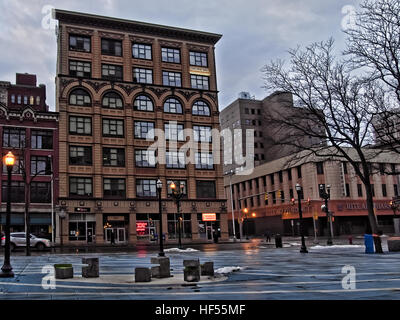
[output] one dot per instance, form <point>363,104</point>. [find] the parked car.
<point>17,239</point>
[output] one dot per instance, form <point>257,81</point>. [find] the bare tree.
<point>373,46</point>
<point>333,107</point>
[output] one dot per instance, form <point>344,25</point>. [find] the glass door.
<point>120,235</point>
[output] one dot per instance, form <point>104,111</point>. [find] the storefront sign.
<point>209,217</point>
<point>141,226</point>
<point>200,71</point>
<point>80,209</point>
<point>116,218</point>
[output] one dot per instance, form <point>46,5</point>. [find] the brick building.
<point>347,195</point>
<point>30,131</point>
<point>117,80</point>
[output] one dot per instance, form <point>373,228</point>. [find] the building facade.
<point>117,80</point>
<point>248,113</point>
<point>30,131</point>
<point>278,211</point>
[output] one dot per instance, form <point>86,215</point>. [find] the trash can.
<point>369,243</point>
<point>278,241</point>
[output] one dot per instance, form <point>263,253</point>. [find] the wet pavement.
<point>265,273</point>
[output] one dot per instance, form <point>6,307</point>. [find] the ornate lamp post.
<point>9,161</point>
<point>326,195</point>
<point>159,189</point>
<point>177,194</point>
<point>62,214</point>
<point>303,248</point>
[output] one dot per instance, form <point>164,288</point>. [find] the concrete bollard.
<point>142,275</point>
<point>191,271</point>
<point>163,265</point>
<point>207,269</point>
<point>92,268</point>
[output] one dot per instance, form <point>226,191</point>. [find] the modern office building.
<point>248,113</point>
<point>277,212</point>
<point>30,131</point>
<point>117,80</point>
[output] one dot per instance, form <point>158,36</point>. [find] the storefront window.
<point>173,226</point>
<point>147,226</point>
<point>81,227</point>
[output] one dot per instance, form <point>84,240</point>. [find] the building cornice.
<point>97,21</point>
<point>26,113</point>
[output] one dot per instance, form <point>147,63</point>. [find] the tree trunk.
<point>372,219</point>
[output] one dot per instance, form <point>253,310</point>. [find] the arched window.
<point>80,97</point>
<point>112,100</point>
<point>143,103</point>
<point>172,105</point>
<point>200,108</point>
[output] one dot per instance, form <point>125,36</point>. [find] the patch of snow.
<point>226,270</point>
<point>346,246</point>
<point>180,250</point>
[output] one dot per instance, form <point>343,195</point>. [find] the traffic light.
<point>253,215</point>
<point>266,196</point>
<point>245,211</point>
<point>278,194</point>
<point>293,201</point>
<point>308,201</point>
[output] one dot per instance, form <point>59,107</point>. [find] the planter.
<point>64,271</point>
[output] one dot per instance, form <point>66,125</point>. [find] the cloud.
<point>254,32</point>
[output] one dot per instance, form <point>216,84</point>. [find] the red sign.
<point>141,226</point>
<point>209,217</point>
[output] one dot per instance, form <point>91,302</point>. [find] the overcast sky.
<point>254,32</point>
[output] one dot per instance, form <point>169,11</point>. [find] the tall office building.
<point>116,81</point>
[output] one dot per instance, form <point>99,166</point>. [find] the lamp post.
<point>244,218</point>
<point>303,248</point>
<point>177,194</point>
<point>159,189</point>
<point>326,195</point>
<point>9,161</point>
<point>62,214</point>
<point>230,173</point>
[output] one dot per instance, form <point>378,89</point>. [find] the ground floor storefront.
<point>345,218</point>
<point>139,222</point>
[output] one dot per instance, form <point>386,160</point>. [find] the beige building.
<point>116,81</point>
<point>278,178</point>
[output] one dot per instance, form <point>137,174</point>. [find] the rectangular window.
<point>384,191</point>
<point>172,79</point>
<point>144,130</point>
<point>205,189</point>
<point>198,59</point>
<point>112,72</point>
<point>320,167</point>
<point>17,191</point>
<point>81,156</point>
<point>289,174</point>
<point>280,175</point>
<point>359,190</point>
<point>114,188</point>
<point>40,165</point>
<point>114,157</point>
<point>202,133</point>
<point>80,69</point>
<point>146,188</point>
<point>274,197</point>
<point>299,172</point>
<point>79,43</point>
<point>40,192</point>
<point>145,158</point>
<point>113,127</point>
<point>111,47</point>
<point>204,161</point>
<point>13,137</point>
<point>170,55</point>
<point>141,75</point>
<point>175,160</point>
<point>199,82</point>
<point>347,190</point>
<point>272,178</point>
<point>19,99</point>
<point>174,131</point>
<point>344,164</point>
<point>41,139</point>
<point>396,190</point>
<point>173,226</point>
<point>282,196</point>
<point>291,194</point>
<point>80,186</point>
<point>80,125</point>
<point>141,51</point>
<point>178,184</point>
<point>13,98</point>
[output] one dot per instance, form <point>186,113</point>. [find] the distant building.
<point>278,179</point>
<point>249,113</point>
<point>30,131</point>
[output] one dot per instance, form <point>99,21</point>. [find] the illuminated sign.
<point>209,217</point>
<point>200,71</point>
<point>141,226</point>
<point>80,209</point>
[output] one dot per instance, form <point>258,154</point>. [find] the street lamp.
<point>303,248</point>
<point>230,173</point>
<point>326,195</point>
<point>159,188</point>
<point>177,194</point>
<point>62,214</point>
<point>9,161</point>
<point>245,211</point>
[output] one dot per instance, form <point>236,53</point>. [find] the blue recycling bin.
<point>369,243</point>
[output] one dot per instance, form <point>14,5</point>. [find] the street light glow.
<point>9,159</point>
